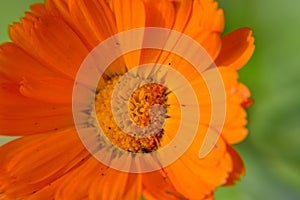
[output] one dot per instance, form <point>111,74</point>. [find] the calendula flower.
<point>37,74</point>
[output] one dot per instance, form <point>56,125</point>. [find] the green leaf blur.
<point>271,151</point>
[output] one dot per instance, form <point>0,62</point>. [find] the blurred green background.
<point>271,152</point>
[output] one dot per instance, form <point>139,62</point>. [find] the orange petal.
<point>237,48</point>
<point>205,17</point>
<point>16,64</point>
<point>214,156</point>
<point>181,175</point>
<point>205,25</point>
<point>73,16</point>
<point>58,8</point>
<point>38,9</point>
<point>86,15</point>
<point>209,197</point>
<point>234,129</point>
<point>130,14</point>
<point>31,116</point>
<point>62,10</point>
<point>182,15</point>
<point>227,75</point>
<point>114,184</point>
<point>48,89</point>
<point>243,91</point>
<point>212,175</point>
<point>159,13</point>
<point>50,41</point>
<point>235,115</point>
<point>193,25</point>
<point>14,105</point>
<point>7,151</point>
<point>133,187</point>
<point>201,20</point>
<point>183,11</point>
<point>238,166</point>
<point>21,35</point>
<point>93,19</point>
<point>77,183</point>
<point>47,192</point>
<point>234,135</point>
<point>212,17</point>
<point>32,166</point>
<point>57,44</point>
<point>210,41</point>
<point>156,185</point>
<point>35,125</point>
<point>27,169</point>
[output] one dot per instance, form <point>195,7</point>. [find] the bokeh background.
<point>272,150</point>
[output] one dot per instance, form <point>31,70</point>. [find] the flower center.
<point>139,106</point>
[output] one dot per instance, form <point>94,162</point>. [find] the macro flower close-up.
<point>39,68</point>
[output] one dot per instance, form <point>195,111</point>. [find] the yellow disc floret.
<point>139,110</point>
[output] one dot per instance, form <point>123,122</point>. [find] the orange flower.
<point>37,73</point>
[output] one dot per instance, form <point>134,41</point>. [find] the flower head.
<point>38,71</point>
